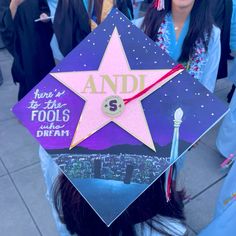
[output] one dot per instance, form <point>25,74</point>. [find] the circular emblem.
<point>113,106</point>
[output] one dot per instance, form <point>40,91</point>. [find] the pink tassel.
<point>227,162</point>
<point>159,5</point>
<point>168,181</point>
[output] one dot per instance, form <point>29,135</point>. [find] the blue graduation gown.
<point>224,221</point>
<point>226,139</point>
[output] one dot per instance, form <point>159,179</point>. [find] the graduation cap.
<point>116,113</point>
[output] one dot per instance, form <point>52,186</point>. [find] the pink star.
<point>114,77</point>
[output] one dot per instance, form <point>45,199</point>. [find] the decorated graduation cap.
<point>116,113</point>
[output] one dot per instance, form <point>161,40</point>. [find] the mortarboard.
<point>116,113</point>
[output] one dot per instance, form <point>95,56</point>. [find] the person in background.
<point>5,34</point>
<point>27,40</point>
<point>223,222</point>
<point>1,77</point>
<point>185,30</point>
<point>2,46</point>
<point>5,62</point>
<point>54,43</point>
<point>226,141</point>
<point>71,19</point>
<point>222,12</point>
<point>76,19</point>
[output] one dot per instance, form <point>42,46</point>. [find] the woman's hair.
<point>81,219</point>
<point>200,27</point>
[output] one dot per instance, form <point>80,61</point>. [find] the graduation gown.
<point>71,24</point>
<point>223,223</point>
<point>28,41</point>
<point>6,24</point>
<point>222,12</point>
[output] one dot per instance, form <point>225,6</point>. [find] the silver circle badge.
<point>113,106</point>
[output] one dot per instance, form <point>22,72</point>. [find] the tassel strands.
<point>159,5</point>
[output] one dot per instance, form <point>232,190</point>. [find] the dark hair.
<point>200,27</point>
<point>81,219</point>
